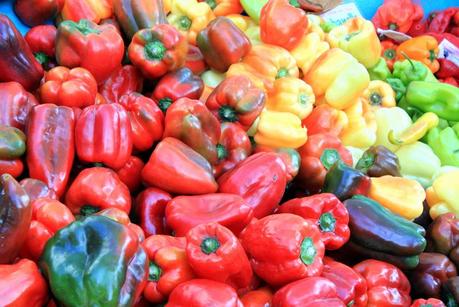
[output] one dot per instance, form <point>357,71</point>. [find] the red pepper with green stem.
<point>125,80</point>
<point>42,41</point>
<point>397,15</point>
<point>431,302</point>
<point>389,52</point>
<point>150,210</point>
<point>443,21</point>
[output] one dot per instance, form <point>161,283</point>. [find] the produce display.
<point>231,153</point>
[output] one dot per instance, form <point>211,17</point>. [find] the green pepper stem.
<point>409,60</point>
<point>308,251</point>
<point>375,99</point>
<point>327,222</point>
<point>227,114</point>
<point>294,3</point>
<point>329,157</point>
<point>154,272</point>
<point>282,73</point>
<point>209,245</point>
<point>155,50</point>
<point>222,153</point>
<point>212,3</point>
<point>41,58</point>
<point>184,23</point>
<point>389,54</point>
<point>88,210</point>
<point>164,104</point>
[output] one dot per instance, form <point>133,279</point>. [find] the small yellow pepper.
<point>314,25</point>
<point>416,131</point>
<point>280,129</point>
<point>308,50</point>
<point>291,95</point>
<point>361,131</point>
<point>379,94</point>
<point>390,119</point>
<point>443,195</point>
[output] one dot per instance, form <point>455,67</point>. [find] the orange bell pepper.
<point>224,7</point>
<point>423,49</point>
<point>94,10</point>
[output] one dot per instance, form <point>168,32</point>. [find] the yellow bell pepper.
<point>314,22</point>
<point>379,94</point>
<point>248,26</point>
<point>400,195</point>
<point>264,64</point>
<point>361,130</point>
<point>443,195</point>
<point>416,131</point>
<point>308,50</point>
<point>358,37</point>
<point>390,119</point>
<point>190,17</point>
<point>280,129</point>
<point>338,77</point>
<point>291,95</point>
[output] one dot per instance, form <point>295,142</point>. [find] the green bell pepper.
<point>380,71</point>
<point>253,8</point>
<point>398,87</point>
<point>12,143</point>
<point>445,144</point>
<point>95,262</point>
<point>410,70</point>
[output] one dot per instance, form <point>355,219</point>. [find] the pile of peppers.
<point>227,153</point>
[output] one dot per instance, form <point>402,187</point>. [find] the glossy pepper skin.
<point>224,7</point>
<point>48,216</point>
<point>42,41</point>
<point>95,143</point>
<point>222,44</point>
<point>37,189</point>
<point>42,10</point>
<point>412,70</point>
<point>292,252</point>
<point>98,48</point>
<point>259,297</point>
<point>194,170</point>
<point>441,198</point>
<point>94,11</point>
<point>17,62</point>
<point>22,285</point>
<point>378,161</point>
<point>125,80</point>
<point>12,143</point>
<point>443,236</point>
<point>387,285</point>
<point>260,180</point>
<point>95,189</point>
<point>195,60</point>
<point>150,210</point>
<point>16,213</point>
<point>16,105</point>
<point>450,293</point>
<point>422,48</point>
<point>215,253</point>
<point>93,246</point>
<point>397,15</point>
<point>289,156</point>
<point>380,71</point>
<point>158,50</point>
<point>327,212</point>
<point>123,218</point>
<point>428,302</point>
<point>371,224</point>
<point>237,100</point>
<point>13,167</point>
<point>130,173</point>
<point>325,119</point>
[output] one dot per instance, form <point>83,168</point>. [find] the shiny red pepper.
<point>289,156</point>
<point>13,167</point>
<point>150,210</point>
<point>443,20</point>
<point>325,119</point>
<point>16,104</point>
<point>431,302</point>
<point>37,189</point>
<point>447,69</point>
<point>125,80</point>
<point>42,41</point>
<point>91,10</point>
<point>130,173</point>
<point>195,60</point>
<point>256,298</point>
<point>36,12</point>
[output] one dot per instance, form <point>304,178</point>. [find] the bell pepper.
<point>95,143</point>
<point>282,23</point>
<point>212,78</point>
<point>224,7</point>
<point>290,157</point>
<point>358,37</point>
<point>125,80</point>
<point>345,181</point>
<point>362,128</point>
<point>264,64</point>
<point>41,12</point>
<point>122,217</point>
<point>433,302</point>
<point>398,87</point>
<point>195,60</point>
<point>233,147</point>
<point>450,293</point>
<point>378,161</point>
<point>423,49</point>
<point>433,270</point>
<point>190,17</point>
<point>325,119</point>
<point>50,159</point>
<point>440,21</point>
<point>42,41</point>
<point>441,195</point>
<point>253,8</point>
<point>379,94</point>
<point>386,284</point>
<point>48,216</point>
<point>154,243</point>
<point>380,71</point>
<point>260,180</point>
<point>185,212</point>
<point>16,105</point>
<point>94,11</point>
<point>317,156</point>
<point>12,167</point>
<point>93,246</point>
<point>280,129</point>
<point>447,69</point>
<point>22,285</point>
<point>291,95</point>
<point>309,49</point>
<point>68,87</point>
<point>259,297</point>
<point>371,224</point>
<point>98,48</point>
<point>194,170</point>
<point>12,143</point>
<point>95,189</point>
<point>294,251</point>
<point>37,189</point>
<point>139,14</point>
<point>190,121</point>
<point>415,132</point>
<point>222,44</point>
<point>338,78</point>
<point>326,211</point>
<point>389,52</point>
<point>17,62</point>
<point>16,213</point>
<point>129,174</point>
<point>202,293</point>
<point>443,236</point>
<point>390,119</point>
<point>410,70</point>
<point>397,15</point>
<point>147,120</point>
<point>150,210</point>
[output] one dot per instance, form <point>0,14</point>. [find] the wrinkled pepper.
<point>441,196</point>
<point>411,70</point>
<point>362,128</point>
<point>345,181</point>
<point>380,71</point>
<point>129,174</point>
<point>443,236</point>
<point>42,41</point>
<point>325,119</point>
<point>378,161</point>
<point>125,80</point>
<point>41,12</point>
<point>397,15</point>
<point>94,11</point>
<point>398,87</point>
<point>422,48</point>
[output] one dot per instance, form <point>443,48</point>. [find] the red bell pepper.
<point>387,285</point>
<point>398,15</point>
<point>195,60</point>
<point>68,87</point>
<point>203,293</point>
<point>37,189</point>
<point>289,156</point>
<point>442,21</point>
<point>256,298</point>
<point>389,52</point>
<point>150,210</point>
<point>326,211</point>
<point>431,302</point>
<point>447,69</point>
<point>418,28</point>
<point>50,145</point>
<point>125,80</point>
<point>224,7</point>
<point>130,173</point>
<point>147,120</point>
<point>450,80</point>
<point>282,23</point>
<point>94,11</point>
<point>311,291</point>
<point>48,216</point>
<point>283,248</point>
<point>42,41</point>
<point>233,147</point>
<point>22,285</point>
<point>98,48</point>
<point>215,253</point>
<point>95,189</point>
<point>122,217</point>
<point>441,36</point>
<point>351,287</point>
<point>236,99</point>
<point>157,50</point>
<point>36,12</point>
<point>16,104</point>
<point>260,180</point>
<point>13,167</point>
<point>325,119</point>
<point>314,160</point>
<point>175,85</point>
<point>103,134</point>
<point>154,243</point>
<point>191,122</point>
<point>189,174</point>
<point>17,62</point>
<point>185,212</point>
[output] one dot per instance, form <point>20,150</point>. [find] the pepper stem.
<point>409,60</point>
<point>212,3</point>
<point>327,222</point>
<point>294,3</point>
<point>308,251</point>
<point>154,272</point>
<point>164,104</point>
<point>209,245</point>
<point>393,26</point>
<point>184,23</point>
<point>281,73</point>
<point>222,153</point>
<point>227,114</point>
<point>329,157</point>
<point>155,50</point>
<point>41,58</point>
<point>303,99</point>
<point>88,210</point>
<point>389,54</point>
<point>83,26</point>
<point>375,99</point>
<point>432,56</point>
<point>366,161</point>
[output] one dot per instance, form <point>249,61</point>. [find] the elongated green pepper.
<point>445,144</point>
